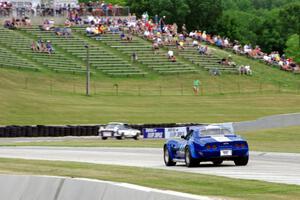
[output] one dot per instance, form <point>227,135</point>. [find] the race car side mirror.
<point>183,137</point>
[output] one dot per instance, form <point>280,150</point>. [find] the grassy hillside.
<point>56,98</point>
<point>46,97</point>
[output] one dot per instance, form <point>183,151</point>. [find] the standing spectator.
<point>134,57</point>
<point>196,86</point>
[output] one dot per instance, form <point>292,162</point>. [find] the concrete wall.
<point>275,121</point>
<point>18,187</point>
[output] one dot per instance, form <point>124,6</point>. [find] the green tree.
<point>293,47</point>
<point>174,10</point>
<point>204,14</point>
<point>140,6</point>
<point>239,25</point>
<point>290,19</point>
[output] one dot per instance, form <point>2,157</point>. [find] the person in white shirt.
<point>170,53</point>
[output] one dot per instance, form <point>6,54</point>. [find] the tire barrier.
<point>48,131</point>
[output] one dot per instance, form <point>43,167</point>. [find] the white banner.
<point>175,132</point>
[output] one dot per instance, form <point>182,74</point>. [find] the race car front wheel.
<point>167,158</point>
<point>137,136</point>
<point>189,160</point>
<point>242,161</point>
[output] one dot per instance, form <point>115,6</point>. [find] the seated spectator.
<point>224,61</point>
<point>88,30</point>
<point>215,72</point>
<point>33,46</point>
<point>181,45</point>
<point>195,43</point>
<point>10,25</point>
<point>63,31</point>
<point>219,42</point>
<point>39,45</point>
<point>202,50</point>
<point>43,47</point>
<point>68,23</point>
<point>129,37</point>
<point>49,47</point>
<point>237,49</point>
<point>155,47</point>
<point>248,70</point>
<point>47,25</point>
<point>170,54</point>
<point>122,36</point>
<point>173,59</point>
<point>247,49</point>
<point>25,22</point>
<point>245,70</point>
<point>114,28</point>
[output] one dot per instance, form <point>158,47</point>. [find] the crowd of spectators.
<point>15,23</point>
<point>100,25</point>
<point>155,30</point>
<point>5,8</point>
<point>273,58</point>
<point>98,8</point>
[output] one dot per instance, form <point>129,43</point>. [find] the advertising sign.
<point>175,132</point>
<point>154,133</point>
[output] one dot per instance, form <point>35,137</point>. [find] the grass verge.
<point>275,140</point>
<point>163,179</point>
<point>94,143</point>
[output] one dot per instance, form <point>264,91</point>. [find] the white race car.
<point>119,131</point>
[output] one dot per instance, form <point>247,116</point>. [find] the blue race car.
<point>207,143</point>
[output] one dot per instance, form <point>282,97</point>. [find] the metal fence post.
<point>181,89</point>
<point>160,90</point>
<point>139,90</point>
<point>117,89</point>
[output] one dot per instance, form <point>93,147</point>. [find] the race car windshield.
<point>113,126</point>
<point>215,132</point>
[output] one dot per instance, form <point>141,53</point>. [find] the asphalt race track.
<point>272,167</point>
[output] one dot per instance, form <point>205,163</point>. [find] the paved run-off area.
<point>272,167</point>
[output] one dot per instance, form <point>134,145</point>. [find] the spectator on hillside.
<point>129,37</point>
<point>245,70</point>
<point>170,54</point>
<point>122,36</point>
<point>49,47</point>
<point>172,58</point>
<point>33,46</point>
<point>195,43</point>
<point>196,86</point>
<point>202,50</point>
<point>47,25</point>
<point>9,25</point>
<point>134,57</point>
<point>63,31</point>
<point>155,47</point>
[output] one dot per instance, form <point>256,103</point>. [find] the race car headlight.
<point>208,147</point>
